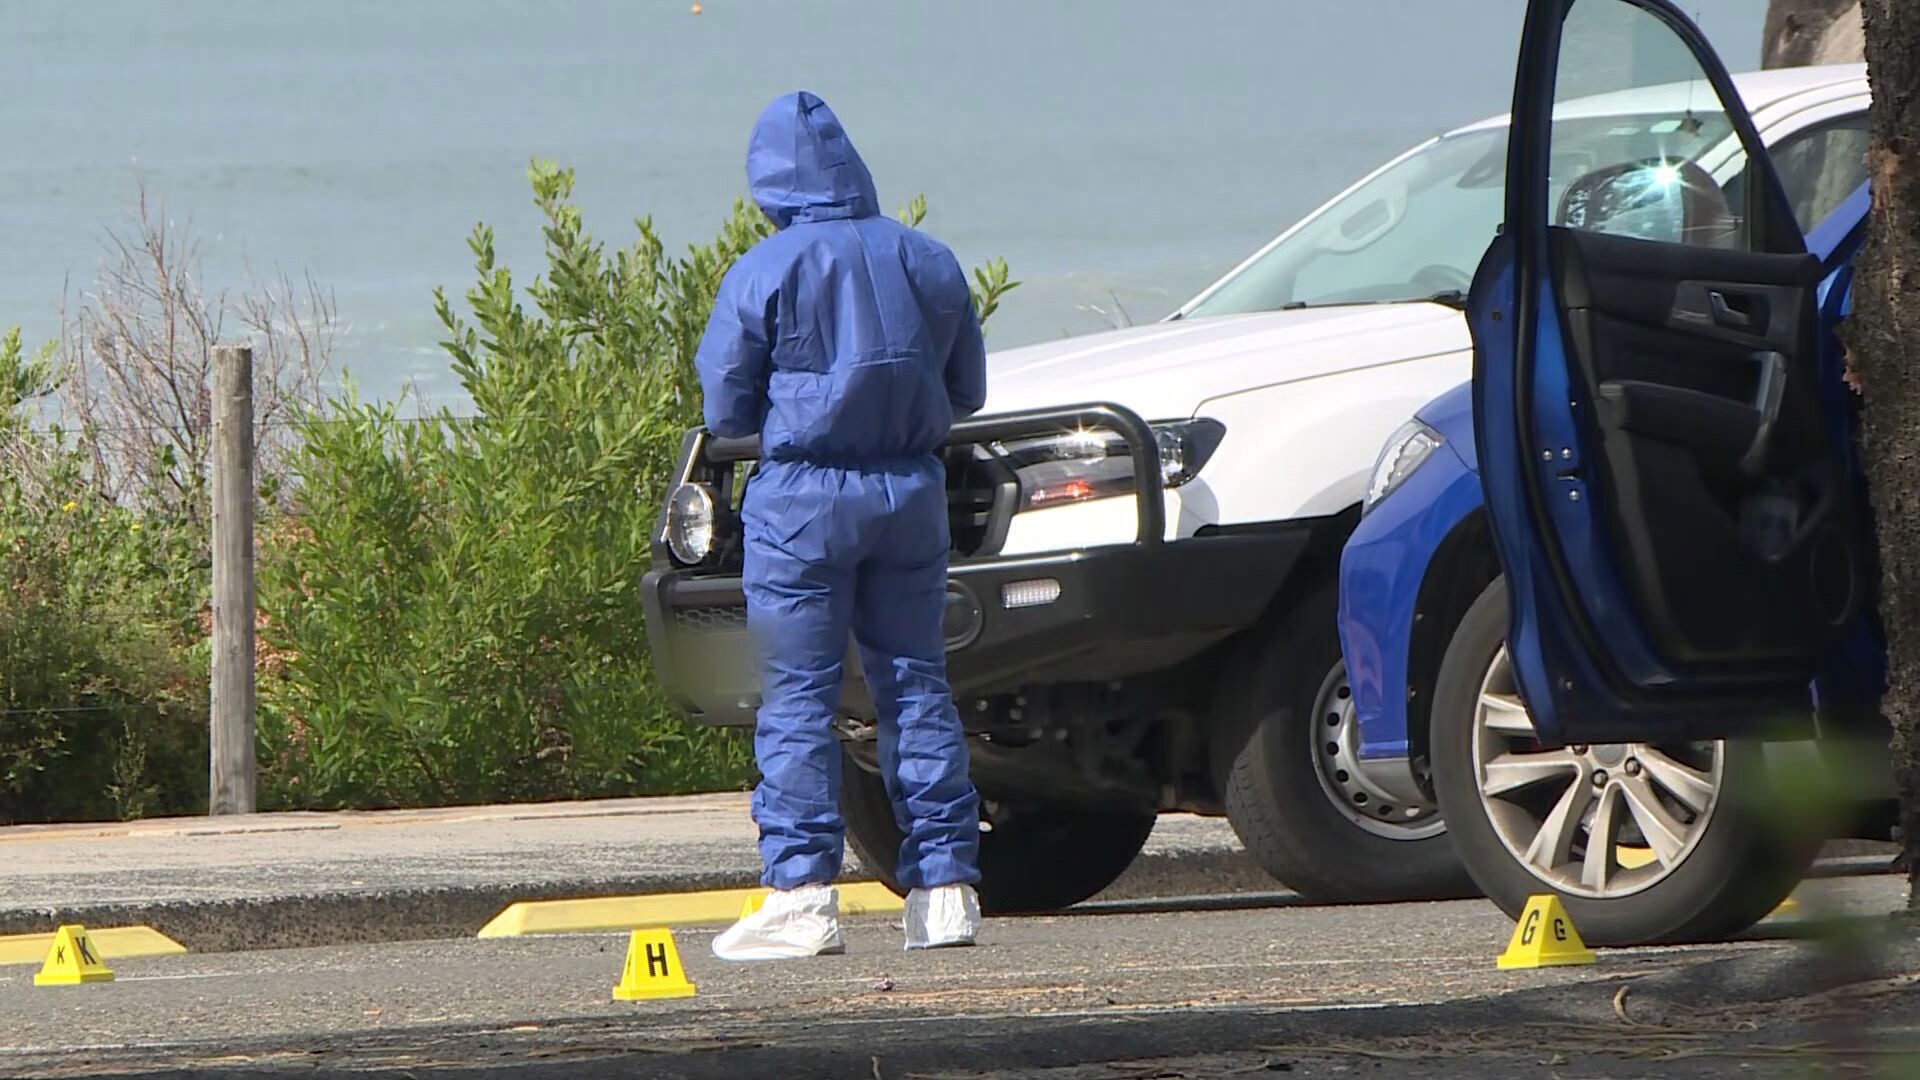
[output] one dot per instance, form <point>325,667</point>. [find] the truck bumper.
<point>1092,615</point>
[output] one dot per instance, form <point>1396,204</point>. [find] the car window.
<point>1636,126</point>
<point>1415,229</point>
<point>1413,234</point>
<point>1821,166</point>
<point>1419,228</point>
<point>1667,186</point>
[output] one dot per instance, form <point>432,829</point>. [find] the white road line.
<point>188,975</point>
<point>1127,1012</point>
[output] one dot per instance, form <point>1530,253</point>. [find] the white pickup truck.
<point>1147,525</point>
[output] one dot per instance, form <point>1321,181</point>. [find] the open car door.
<point>1673,518</point>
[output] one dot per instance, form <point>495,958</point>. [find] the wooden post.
<point>233,596</point>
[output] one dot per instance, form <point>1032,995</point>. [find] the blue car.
<point>1594,627</point>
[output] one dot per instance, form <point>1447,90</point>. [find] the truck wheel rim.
<point>1601,821</point>
<point>1335,735</point>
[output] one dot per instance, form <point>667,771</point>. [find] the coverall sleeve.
<point>967,366</point>
<point>734,357</point>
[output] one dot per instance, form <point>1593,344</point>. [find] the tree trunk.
<point>1883,343</point>
<point>1800,32</point>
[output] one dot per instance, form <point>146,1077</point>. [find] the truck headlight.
<point>1076,466</point>
<point>1405,452</point>
<point>690,523</point>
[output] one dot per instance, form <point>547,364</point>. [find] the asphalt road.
<point>1189,988</point>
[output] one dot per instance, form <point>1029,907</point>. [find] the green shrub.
<point>454,604</point>
<point>103,702</point>
<point>104,525</point>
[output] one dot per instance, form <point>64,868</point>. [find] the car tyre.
<point>1034,857</point>
<point>1735,872</point>
<point>1271,727</point>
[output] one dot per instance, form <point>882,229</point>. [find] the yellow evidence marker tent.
<point>72,960</point>
<point>653,969</point>
<point>1545,937</point>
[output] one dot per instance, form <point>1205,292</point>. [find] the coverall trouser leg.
<point>799,613</point>
<point>898,608</point>
<point>831,552</point>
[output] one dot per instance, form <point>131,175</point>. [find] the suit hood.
<point>802,167</point>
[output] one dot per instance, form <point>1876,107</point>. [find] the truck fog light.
<point>1025,594</point>
<point>690,523</point>
<point>962,622</point>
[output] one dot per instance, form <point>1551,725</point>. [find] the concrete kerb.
<point>367,916</point>
<point>337,918</point>
<point>378,915</point>
<point>305,879</point>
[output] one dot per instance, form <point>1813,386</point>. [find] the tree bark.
<point>1883,343</point>
<point>1800,32</point>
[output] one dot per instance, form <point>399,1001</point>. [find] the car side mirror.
<point>1661,199</point>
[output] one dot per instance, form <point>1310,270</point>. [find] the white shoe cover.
<point>792,923</point>
<point>943,917</point>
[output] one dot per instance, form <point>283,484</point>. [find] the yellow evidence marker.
<point>754,900</point>
<point>653,969</point>
<point>72,960</point>
<point>1545,937</point>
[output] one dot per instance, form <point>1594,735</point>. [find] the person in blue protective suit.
<point>849,343</point>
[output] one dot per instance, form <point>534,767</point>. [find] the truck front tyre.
<point>1033,856</point>
<point>1284,751</point>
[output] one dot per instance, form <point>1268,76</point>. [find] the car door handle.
<point>1725,314</point>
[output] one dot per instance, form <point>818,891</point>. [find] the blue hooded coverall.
<point>849,343</point>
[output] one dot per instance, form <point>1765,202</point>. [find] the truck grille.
<point>975,484</point>
<point>980,494</point>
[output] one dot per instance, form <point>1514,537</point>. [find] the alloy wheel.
<point>1599,821</point>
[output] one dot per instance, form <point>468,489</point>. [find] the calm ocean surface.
<point>1129,149</point>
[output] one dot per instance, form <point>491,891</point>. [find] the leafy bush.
<point>103,526</point>
<point>454,602</point>
<point>103,703</point>
<point>449,605</point>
